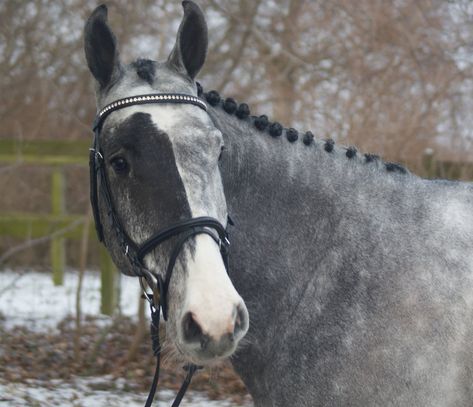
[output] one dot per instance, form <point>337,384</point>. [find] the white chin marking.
<point>209,292</point>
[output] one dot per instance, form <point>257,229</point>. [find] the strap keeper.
<point>97,154</point>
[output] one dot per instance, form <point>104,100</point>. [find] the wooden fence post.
<point>429,164</point>
<point>108,279</point>
<point>58,207</point>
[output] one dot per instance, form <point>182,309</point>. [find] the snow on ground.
<point>33,301</point>
<point>30,299</point>
<point>86,392</point>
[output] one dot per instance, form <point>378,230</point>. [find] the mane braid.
<point>351,152</point>
<point>275,129</point>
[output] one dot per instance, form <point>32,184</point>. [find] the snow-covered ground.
<point>84,392</point>
<point>30,299</point>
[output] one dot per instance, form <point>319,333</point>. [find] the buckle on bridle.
<point>98,154</point>
<point>227,242</point>
<point>145,295</point>
<point>154,299</point>
<point>224,244</point>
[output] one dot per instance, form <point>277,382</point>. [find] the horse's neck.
<point>301,213</point>
<point>290,203</point>
<point>263,171</point>
<point>283,182</point>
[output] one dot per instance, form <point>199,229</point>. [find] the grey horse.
<point>356,274</point>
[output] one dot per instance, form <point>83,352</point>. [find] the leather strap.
<point>176,229</point>
<point>136,253</point>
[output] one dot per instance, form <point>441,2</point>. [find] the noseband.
<point>136,253</point>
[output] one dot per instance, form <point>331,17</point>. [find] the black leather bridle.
<point>136,253</point>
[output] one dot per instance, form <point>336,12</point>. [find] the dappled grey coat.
<point>357,275</point>
<point>358,281</point>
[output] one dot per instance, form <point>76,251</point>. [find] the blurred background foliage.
<point>390,77</point>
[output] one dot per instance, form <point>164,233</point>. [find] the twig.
<point>139,333</point>
<point>292,57</point>
<point>236,59</point>
<point>84,244</point>
<point>31,243</point>
<point>34,242</point>
<point>92,356</point>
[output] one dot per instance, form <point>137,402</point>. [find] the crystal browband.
<point>151,98</point>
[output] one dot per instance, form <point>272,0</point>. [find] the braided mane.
<point>275,129</point>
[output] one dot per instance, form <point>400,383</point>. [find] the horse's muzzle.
<point>207,342</point>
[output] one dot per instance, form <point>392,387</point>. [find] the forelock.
<point>145,69</point>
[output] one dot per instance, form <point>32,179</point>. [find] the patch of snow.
<point>35,302</point>
<point>83,392</point>
<point>30,299</point>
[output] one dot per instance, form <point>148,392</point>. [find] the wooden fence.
<point>58,225</point>
<point>443,169</point>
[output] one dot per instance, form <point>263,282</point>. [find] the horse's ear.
<point>188,54</point>
<point>100,47</point>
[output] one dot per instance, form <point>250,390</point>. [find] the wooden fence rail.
<point>60,153</point>
<point>58,224</point>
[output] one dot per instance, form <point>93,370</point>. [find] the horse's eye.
<point>221,152</point>
<point>119,165</point>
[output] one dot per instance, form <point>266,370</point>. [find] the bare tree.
<point>392,78</point>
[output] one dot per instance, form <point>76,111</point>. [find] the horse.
<point>356,274</point>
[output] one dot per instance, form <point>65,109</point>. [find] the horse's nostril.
<point>230,337</point>
<point>204,341</point>
<point>221,334</point>
<point>192,329</point>
<point>240,320</point>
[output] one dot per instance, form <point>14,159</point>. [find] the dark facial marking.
<point>145,69</point>
<point>154,184</point>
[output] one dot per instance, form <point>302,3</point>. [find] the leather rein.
<point>135,253</point>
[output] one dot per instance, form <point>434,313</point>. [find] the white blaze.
<point>209,292</point>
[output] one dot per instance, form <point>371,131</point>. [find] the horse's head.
<point>161,163</point>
